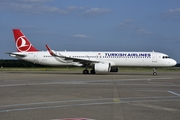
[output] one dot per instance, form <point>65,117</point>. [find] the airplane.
<point>99,62</point>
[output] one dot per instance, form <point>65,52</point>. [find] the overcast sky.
<point>93,25</point>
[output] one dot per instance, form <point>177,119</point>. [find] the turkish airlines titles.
<point>128,54</point>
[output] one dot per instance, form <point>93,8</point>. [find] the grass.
<point>40,69</point>
<point>177,69</point>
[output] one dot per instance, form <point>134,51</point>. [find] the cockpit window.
<point>165,57</point>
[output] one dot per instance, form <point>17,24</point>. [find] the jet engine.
<point>104,67</point>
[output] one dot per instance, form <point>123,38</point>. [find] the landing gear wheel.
<point>85,72</point>
<point>154,73</point>
<point>92,72</point>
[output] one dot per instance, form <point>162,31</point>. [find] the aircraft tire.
<point>85,72</point>
<point>154,73</point>
<point>92,72</point>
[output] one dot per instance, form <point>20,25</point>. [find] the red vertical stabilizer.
<point>22,43</point>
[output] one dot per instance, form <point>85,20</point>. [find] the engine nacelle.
<point>105,67</point>
<point>102,67</point>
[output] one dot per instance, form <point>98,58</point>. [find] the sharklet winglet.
<point>50,51</point>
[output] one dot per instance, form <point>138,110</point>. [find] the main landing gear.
<point>154,72</point>
<point>87,71</point>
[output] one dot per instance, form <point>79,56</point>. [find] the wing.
<point>82,61</point>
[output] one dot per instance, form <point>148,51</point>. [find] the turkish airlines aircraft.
<point>99,61</point>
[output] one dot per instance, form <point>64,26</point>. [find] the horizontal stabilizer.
<point>16,54</point>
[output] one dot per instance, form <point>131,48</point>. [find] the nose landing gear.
<point>154,72</point>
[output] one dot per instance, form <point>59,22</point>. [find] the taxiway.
<point>49,95</point>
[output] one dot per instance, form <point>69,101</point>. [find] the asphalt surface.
<point>51,95</point>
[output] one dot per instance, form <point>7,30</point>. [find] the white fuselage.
<point>130,59</point>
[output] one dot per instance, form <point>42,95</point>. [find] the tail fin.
<point>22,43</point>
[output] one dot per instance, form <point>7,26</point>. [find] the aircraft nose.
<point>173,62</point>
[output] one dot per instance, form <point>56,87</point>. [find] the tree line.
<point>18,63</point>
<point>22,63</point>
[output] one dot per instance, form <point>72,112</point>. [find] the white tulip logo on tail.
<point>22,44</point>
